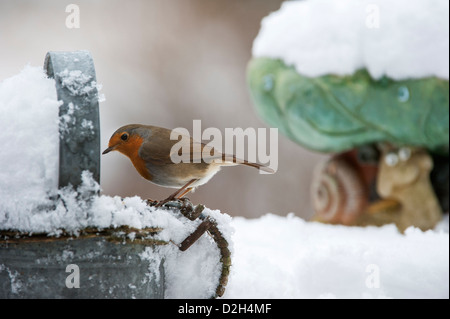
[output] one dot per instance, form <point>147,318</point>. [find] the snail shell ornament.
<point>340,193</point>
<point>341,190</point>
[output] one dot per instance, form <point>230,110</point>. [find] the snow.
<point>77,82</point>
<point>30,144</point>
<point>287,257</point>
<point>194,273</point>
<point>272,256</point>
<point>400,39</point>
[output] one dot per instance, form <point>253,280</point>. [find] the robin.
<point>150,148</point>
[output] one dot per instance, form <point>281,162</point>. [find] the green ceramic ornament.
<point>334,113</point>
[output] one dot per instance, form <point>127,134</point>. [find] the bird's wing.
<point>197,152</point>
<point>209,154</point>
<point>156,150</point>
<point>161,150</point>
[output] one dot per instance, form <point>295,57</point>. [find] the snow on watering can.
<point>59,238</point>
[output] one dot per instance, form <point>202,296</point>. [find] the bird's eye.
<point>124,136</point>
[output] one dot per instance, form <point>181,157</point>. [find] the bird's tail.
<point>233,160</point>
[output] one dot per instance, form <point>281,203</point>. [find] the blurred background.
<point>166,63</point>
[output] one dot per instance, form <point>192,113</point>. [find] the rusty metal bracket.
<point>208,225</point>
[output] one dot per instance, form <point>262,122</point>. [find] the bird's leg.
<point>183,191</point>
<point>186,191</point>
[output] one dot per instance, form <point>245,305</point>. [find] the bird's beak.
<point>109,149</point>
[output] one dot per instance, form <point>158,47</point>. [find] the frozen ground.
<point>287,257</point>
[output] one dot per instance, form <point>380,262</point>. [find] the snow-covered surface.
<point>30,145</point>
<point>400,39</point>
<point>194,273</point>
<point>287,257</point>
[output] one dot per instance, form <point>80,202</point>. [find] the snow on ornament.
<point>333,82</point>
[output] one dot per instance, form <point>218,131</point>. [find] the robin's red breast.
<point>150,149</point>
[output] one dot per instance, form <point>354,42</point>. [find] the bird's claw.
<point>151,202</point>
<point>170,202</point>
